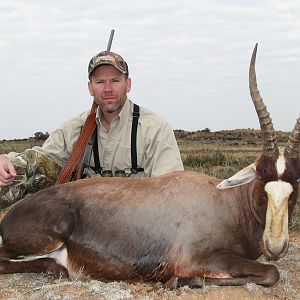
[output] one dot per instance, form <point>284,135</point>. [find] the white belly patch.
<point>60,255</point>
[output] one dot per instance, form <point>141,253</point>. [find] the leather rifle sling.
<point>80,145</point>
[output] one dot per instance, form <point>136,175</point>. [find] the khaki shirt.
<point>157,149</point>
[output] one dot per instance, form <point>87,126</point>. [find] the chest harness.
<point>92,146</point>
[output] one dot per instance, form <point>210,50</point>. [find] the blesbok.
<point>176,228</point>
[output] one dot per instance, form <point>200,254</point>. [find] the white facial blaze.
<point>276,235</point>
<point>280,164</point>
<point>278,191</point>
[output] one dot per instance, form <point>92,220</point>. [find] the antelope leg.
<point>41,265</point>
<point>228,269</point>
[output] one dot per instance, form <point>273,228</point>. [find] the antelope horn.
<point>270,147</point>
<point>292,148</point>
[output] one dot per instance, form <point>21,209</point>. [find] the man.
<point>156,148</point>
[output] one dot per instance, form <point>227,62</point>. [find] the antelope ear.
<point>244,176</point>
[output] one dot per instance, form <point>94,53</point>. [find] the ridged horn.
<point>292,148</point>
<point>270,147</point>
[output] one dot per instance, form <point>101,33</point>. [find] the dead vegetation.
<point>236,136</point>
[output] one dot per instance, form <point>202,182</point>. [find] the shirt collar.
<point>122,116</point>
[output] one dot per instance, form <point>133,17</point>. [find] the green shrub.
<point>217,163</point>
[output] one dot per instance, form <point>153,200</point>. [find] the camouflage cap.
<point>108,58</point>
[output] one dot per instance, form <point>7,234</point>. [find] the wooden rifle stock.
<point>73,165</point>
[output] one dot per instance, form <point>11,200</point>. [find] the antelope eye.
<point>298,180</point>
<point>260,178</point>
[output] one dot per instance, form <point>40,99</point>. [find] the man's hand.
<point>7,171</point>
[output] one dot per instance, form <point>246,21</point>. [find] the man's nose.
<point>107,86</point>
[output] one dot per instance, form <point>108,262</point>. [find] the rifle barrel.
<point>110,39</point>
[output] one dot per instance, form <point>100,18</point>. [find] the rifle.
<point>81,153</point>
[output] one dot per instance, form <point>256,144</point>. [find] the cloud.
<point>188,60</point>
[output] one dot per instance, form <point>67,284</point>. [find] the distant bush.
<point>41,136</point>
<point>205,130</point>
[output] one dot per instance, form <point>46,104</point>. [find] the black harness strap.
<point>91,146</point>
<point>94,142</point>
<point>135,121</point>
<point>97,168</point>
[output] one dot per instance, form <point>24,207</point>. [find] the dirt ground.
<point>41,286</point>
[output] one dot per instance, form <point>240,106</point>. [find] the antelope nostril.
<point>277,251</point>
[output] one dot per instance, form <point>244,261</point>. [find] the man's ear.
<point>128,85</point>
<point>90,89</point>
<point>242,177</point>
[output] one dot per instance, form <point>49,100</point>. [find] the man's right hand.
<point>7,171</point>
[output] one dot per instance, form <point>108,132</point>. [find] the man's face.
<point>109,87</point>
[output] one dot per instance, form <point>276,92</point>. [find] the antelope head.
<point>278,173</point>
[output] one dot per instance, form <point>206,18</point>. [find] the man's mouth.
<point>108,98</point>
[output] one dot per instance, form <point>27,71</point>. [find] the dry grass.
<point>217,160</point>
<point>19,145</point>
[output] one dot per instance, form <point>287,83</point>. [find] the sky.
<point>188,60</point>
